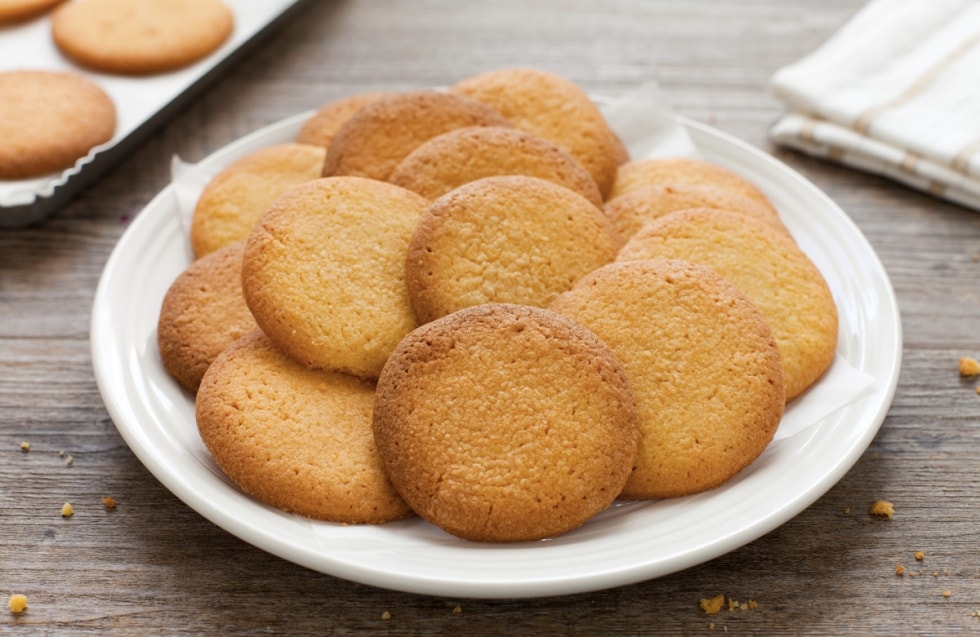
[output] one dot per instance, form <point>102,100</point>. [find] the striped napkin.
<point>895,92</point>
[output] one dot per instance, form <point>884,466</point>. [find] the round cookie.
<point>48,120</point>
<point>555,108</point>
<point>768,267</point>
<point>140,36</point>
<point>505,423</point>
<point>233,201</point>
<point>702,362</point>
<point>463,155</point>
<point>628,212</point>
<point>682,170</point>
<point>324,124</point>
<point>324,272</point>
<point>203,312</point>
<point>294,438</point>
<point>378,136</point>
<point>16,10</point>
<point>509,239</point>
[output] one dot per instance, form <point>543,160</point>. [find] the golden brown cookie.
<point>48,120</point>
<point>553,107</point>
<point>631,210</point>
<point>237,196</point>
<point>324,272</point>
<point>16,10</point>
<point>510,239</point>
<point>295,438</point>
<point>768,267</point>
<point>505,423</point>
<point>702,362</point>
<point>467,154</point>
<point>140,36</point>
<point>378,136</point>
<point>320,128</point>
<point>203,312</point>
<point>682,170</point>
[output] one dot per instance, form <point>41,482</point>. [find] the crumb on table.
<point>67,510</point>
<point>883,508</point>
<point>712,605</point>
<point>969,366</point>
<point>899,570</point>
<point>919,555</point>
<point>25,446</point>
<point>109,503</point>
<point>17,603</point>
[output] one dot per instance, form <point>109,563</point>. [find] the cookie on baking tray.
<point>324,272</point>
<point>381,134</point>
<point>652,171</point>
<point>17,10</point>
<point>768,267</point>
<point>294,438</point>
<point>49,120</point>
<point>320,128</point>
<point>702,362</point>
<point>237,196</point>
<point>505,423</point>
<point>629,211</point>
<point>510,239</point>
<point>467,154</point>
<point>140,36</point>
<point>555,108</point>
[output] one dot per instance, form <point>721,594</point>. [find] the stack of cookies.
<point>471,305</point>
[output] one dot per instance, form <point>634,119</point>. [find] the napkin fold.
<point>895,92</point>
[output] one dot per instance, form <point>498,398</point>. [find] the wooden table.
<point>154,566</point>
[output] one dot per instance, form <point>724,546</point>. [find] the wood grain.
<point>154,566</point>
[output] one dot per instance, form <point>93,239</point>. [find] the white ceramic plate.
<point>628,543</point>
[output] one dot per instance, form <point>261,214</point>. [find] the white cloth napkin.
<point>895,92</point>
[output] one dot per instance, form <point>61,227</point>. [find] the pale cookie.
<point>49,120</point>
<point>458,157</point>
<point>555,108</point>
<point>682,170</point>
<point>320,128</point>
<point>378,136</point>
<point>510,239</point>
<point>769,268</point>
<point>16,10</point>
<point>505,423</point>
<point>324,272</point>
<point>294,438</point>
<point>140,36</point>
<point>628,212</point>
<point>237,196</point>
<point>203,312</point>
<point>702,362</point>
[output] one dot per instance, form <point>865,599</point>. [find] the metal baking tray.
<point>142,102</point>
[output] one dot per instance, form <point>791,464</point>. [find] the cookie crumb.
<point>457,609</point>
<point>969,366</point>
<point>109,503</point>
<point>69,461</point>
<point>883,508</point>
<point>25,446</point>
<point>847,510</point>
<point>67,510</point>
<point>17,603</point>
<point>947,593</point>
<point>712,605</point>
<point>899,570</point>
<point>386,615</point>
<point>919,555</point>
